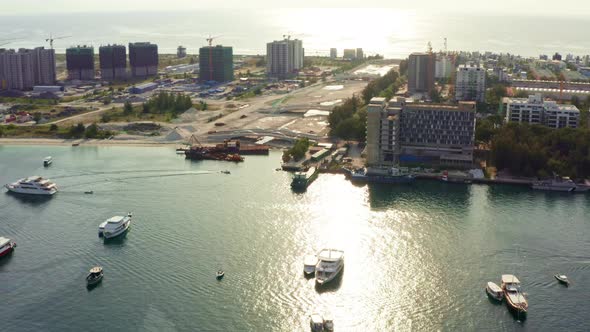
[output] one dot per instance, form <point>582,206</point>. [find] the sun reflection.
<point>374,30</point>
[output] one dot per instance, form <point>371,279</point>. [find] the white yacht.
<point>330,264</point>
<point>114,226</point>
<point>33,185</point>
<point>6,246</point>
<point>309,263</point>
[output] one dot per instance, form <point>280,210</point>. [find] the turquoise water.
<point>417,257</point>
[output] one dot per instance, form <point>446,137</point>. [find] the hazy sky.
<point>508,7</point>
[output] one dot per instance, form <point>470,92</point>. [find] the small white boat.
<point>47,161</point>
<point>316,323</point>
<point>6,246</point>
<point>220,274</point>
<point>114,226</point>
<point>89,192</point>
<point>95,276</point>
<point>309,263</point>
<point>494,291</point>
<point>562,278</point>
<point>330,264</point>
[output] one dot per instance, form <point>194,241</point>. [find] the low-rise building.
<point>407,132</point>
<point>536,110</point>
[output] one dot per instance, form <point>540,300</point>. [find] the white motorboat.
<point>33,185</point>
<point>114,226</point>
<point>556,184</point>
<point>330,264</point>
<point>562,278</point>
<point>6,246</point>
<point>47,161</point>
<point>309,263</point>
<point>316,323</point>
<point>494,291</point>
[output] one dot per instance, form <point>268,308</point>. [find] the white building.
<point>535,110</point>
<point>284,58</point>
<point>471,83</point>
<point>443,67</point>
<point>333,53</point>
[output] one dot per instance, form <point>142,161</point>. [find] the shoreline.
<point>84,142</point>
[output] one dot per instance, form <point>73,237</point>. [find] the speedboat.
<point>562,278</point>
<point>220,274</point>
<point>494,291</point>
<point>226,172</point>
<point>33,185</point>
<point>330,264</point>
<point>114,226</point>
<point>47,161</point>
<point>513,294</point>
<point>95,276</point>
<point>6,246</point>
<point>309,263</point>
<point>316,323</point>
<point>89,192</point>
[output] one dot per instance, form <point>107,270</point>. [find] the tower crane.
<point>51,39</point>
<point>210,41</point>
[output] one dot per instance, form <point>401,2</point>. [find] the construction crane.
<point>429,48</point>
<point>51,39</point>
<point>210,41</point>
<point>7,41</point>
<point>446,46</point>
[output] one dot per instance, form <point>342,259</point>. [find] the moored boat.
<point>6,246</point>
<point>558,183</point>
<point>114,226</point>
<point>220,274</point>
<point>33,185</point>
<point>562,278</point>
<point>301,180</point>
<point>512,293</point>
<point>94,276</point>
<point>330,264</point>
<point>494,291</point>
<point>388,176</point>
<point>328,323</point>
<point>309,263</point>
<point>47,161</point>
<point>316,323</point>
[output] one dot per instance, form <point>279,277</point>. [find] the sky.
<point>504,7</point>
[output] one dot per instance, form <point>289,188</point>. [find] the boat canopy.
<point>509,279</point>
<point>96,269</point>
<point>331,255</point>
<point>4,241</point>
<point>317,319</point>
<point>310,260</point>
<point>494,288</point>
<point>116,220</point>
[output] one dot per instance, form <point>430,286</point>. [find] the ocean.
<point>394,33</point>
<point>417,257</point>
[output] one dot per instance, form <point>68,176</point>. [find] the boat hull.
<point>93,281</point>
<point>383,179</point>
<point>7,251</point>
<point>22,191</point>
<point>324,280</point>
<point>303,184</point>
<point>495,296</point>
<point>559,189</point>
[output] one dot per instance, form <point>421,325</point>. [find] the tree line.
<point>165,102</point>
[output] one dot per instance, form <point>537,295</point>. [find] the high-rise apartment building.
<point>143,59</point>
<point>216,64</point>
<point>470,84</point>
<point>284,58</point>
<point>333,53</point>
<point>181,52</point>
<point>405,132</point>
<point>113,62</point>
<point>359,54</point>
<point>349,54</point>
<point>80,62</point>
<point>421,73</point>
<point>536,110</point>
<point>26,68</point>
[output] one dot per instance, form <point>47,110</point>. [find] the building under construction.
<point>113,62</point>
<point>421,72</point>
<point>143,59</point>
<point>80,62</point>
<point>216,64</point>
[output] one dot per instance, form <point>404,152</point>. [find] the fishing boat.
<point>301,180</point>
<point>94,276</point>
<point>47,161</point>
<point>330,264</point>
<point>562,278</point>
<point>316,323</point>
<point>456,177</point>
<point>220,274</point>
<point>89,192</point>
<point>494,291</point>
<point>512,292</point>
<point>6,246</point>
<point>558,183</point>
<point>309,263</point>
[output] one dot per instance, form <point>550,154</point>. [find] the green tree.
<point>127,108</point>
<point>53,127</point>
<point>37,117</point>
<point>91,131</point>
